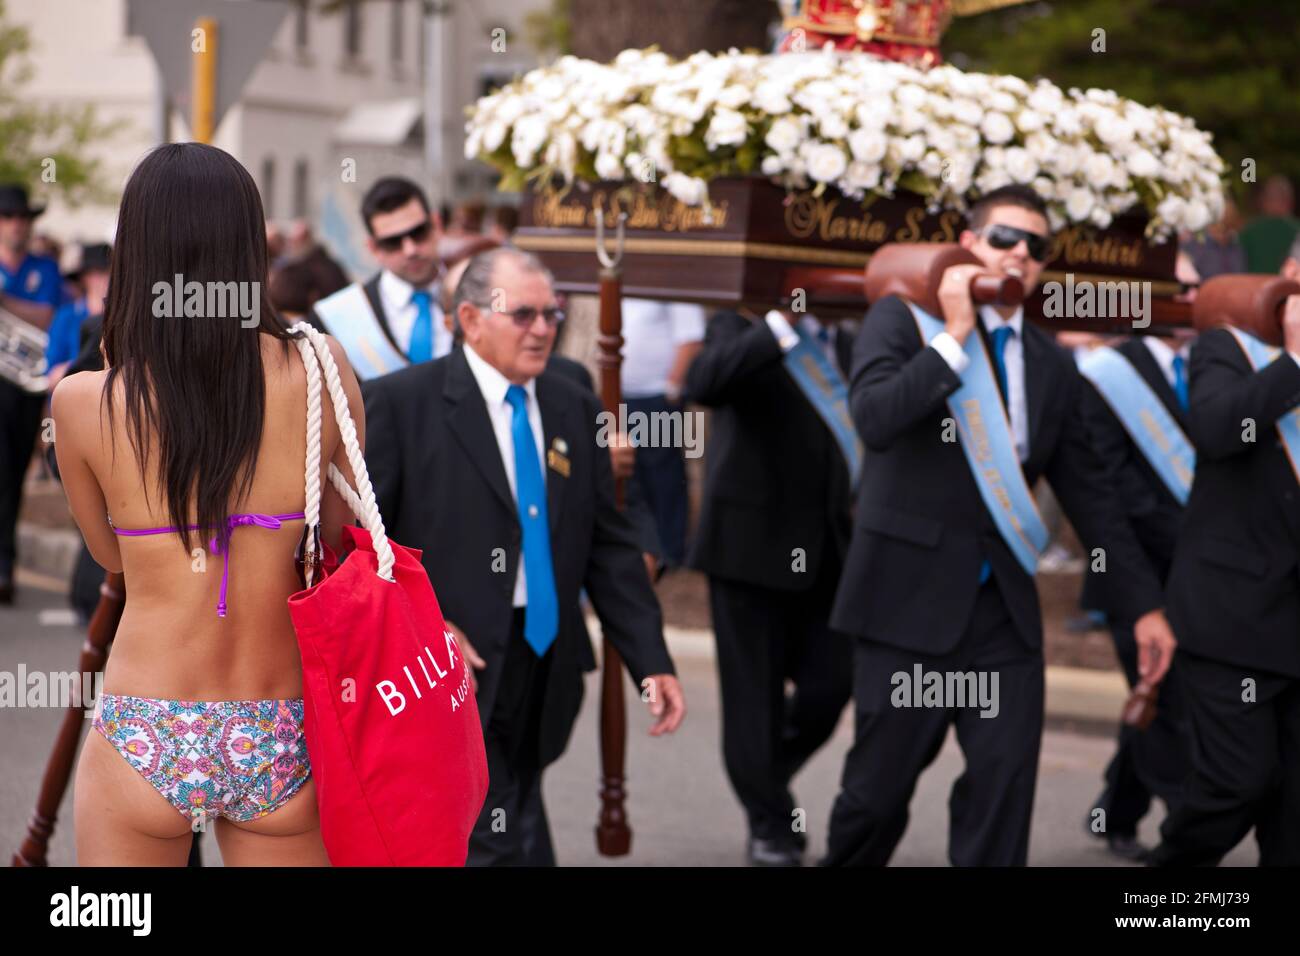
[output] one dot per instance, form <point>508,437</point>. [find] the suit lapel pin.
<point>556,458</point>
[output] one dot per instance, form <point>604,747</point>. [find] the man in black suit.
<point>1157,760</point>
<point>491,465</point>
<point>1234,599</point>
<point>931,588</point>
<point>773,530</point>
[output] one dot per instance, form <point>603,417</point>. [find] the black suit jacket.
<point>1234,592</point>
<point>775,478</point>
<point>1151,508</point>
<point>441,487</point>
<point>921,530</point>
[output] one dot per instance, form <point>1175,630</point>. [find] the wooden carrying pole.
<point>204,83</point>
<point>613,834</point>
<point>35,847</point>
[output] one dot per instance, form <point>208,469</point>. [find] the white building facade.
<point>338,100</point>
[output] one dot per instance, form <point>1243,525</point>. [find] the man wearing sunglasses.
<point>392,320</point>
<point>938,583</point>
<point>490,463</point>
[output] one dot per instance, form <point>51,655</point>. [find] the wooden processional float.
<point>760,247</point>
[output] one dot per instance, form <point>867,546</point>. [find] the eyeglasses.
<point>1001,236</point>
<point>526,315</point>
<point>415,234</point>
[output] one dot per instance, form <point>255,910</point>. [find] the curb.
<point>48,551</point>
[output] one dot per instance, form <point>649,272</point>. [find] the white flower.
<point>1029,121</point>
<point>826,162</point>
<point>996,128</point>
<point>1112,130</point>
<point>727,128</point>
<point>1079,204</point>
<point>772,165</point>
<point>1101,217</point>
<point>529,135</point>
<point>1098,169</point>
<point>833,126</point>
<point>911,149</point>
<point>1141,163</point>
<point>771,97</point>
<point>785,135</point>
<point>968,112</point>
<point>868,145</point>
<point>687,189</point>
<point>1020,166</point>
<point>608,166</point>
<point>1003,102</point>
<point>861,175</point>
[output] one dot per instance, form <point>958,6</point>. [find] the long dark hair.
<point>195,383</point>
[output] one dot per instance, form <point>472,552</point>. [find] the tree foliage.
<point>46,148</point>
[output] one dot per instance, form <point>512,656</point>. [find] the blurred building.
<point>333,87</point>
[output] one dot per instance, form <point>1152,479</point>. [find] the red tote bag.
<point>391,722</point>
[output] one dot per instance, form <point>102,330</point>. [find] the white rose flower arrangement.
<point>851,122</point>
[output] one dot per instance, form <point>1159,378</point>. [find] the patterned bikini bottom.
<point>239,759</point>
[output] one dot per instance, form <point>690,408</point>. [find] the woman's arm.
<point>75,406</point>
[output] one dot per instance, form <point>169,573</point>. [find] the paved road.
<point>681,808</point>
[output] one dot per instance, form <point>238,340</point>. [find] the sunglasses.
<point>526,315</point>
<point>1006,237</point>
<point>416,234</point>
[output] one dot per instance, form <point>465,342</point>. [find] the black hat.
<point>94,255</point>
<point>13,199</point>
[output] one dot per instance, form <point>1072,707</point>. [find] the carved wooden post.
<point>58,770</point>
<point>613,834</point>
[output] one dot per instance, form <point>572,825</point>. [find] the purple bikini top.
<point>271,522</point>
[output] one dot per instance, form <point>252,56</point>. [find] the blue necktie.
<point>421,347</point>
<point>542,619</point>
<point>1180,380</point>
<point>1000,336</point>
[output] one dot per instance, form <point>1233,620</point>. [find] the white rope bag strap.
<point>316,356</point>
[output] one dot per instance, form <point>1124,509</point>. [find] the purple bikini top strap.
<point>271,522</point>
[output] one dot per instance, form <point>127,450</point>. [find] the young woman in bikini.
<point>183,465</point>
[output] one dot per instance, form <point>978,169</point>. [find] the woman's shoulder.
<point>74,392</point>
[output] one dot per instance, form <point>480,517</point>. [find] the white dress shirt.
<point>652,333</point>
<point>493,385</point>
<point>395,295</point>
<point>1013,359</point>
<point>787,338</point>
<point>1164,354</point>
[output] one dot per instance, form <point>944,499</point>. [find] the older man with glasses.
<point>491,464</point>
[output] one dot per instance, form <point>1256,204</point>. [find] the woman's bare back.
<point>171,643</point>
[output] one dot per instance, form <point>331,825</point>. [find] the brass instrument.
<point>22,353</point>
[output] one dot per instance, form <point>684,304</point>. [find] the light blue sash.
<point>1144,417</point>
<point>1260,355</point>
<point>822,383</point>
<point>349,317</point>
<point>990,450</point>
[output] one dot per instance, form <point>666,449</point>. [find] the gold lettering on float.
<point>807,216</point>
<point>1079,246</point>
<point>912,232</point>
<point>549,211</point>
